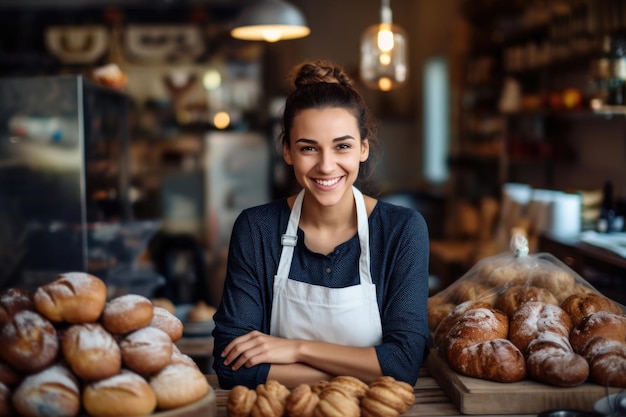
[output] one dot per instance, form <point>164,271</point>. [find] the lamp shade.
<point>384,54</point>
<point>271,21</point>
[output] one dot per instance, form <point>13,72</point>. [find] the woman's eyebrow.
<point>339,139</point>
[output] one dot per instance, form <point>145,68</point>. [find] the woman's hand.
<point>255,347</point>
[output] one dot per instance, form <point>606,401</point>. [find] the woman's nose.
<point>326,162</point>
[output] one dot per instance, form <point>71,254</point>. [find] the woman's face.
<point>326,150</point>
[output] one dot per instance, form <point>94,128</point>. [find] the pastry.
<point>51,392</point>
<point>73,297</point>
<point>477,345</point>
<point>541,331</point>
<point>178,385</point>
<point>91,352</point>
<point>301,402</point>
<point>387,396</point>
<point>354,386</point>
<point>201,311</point>
<point>240,401</point>
<point>168,322</point>
<point>124,394</point>
<point>271,399</point>
<point>165,303</point>
<point>579,306</point>
<point>29,342</point>
<point>335,401</point>
<point>147,350</point>
<point>126,313</point>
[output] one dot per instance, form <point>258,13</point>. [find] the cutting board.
<point>477,396</point>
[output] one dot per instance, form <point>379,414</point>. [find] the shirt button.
<point>328,270</point>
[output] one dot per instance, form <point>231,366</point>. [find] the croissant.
<point>240,401</point>
<point>477,345</point>
<point>301,402</point>
<point>352,385</point>
<point>601,339</point>
<point>541,331</point>
<point>387,397</point>
<point>271,399</point>
<point>336,402</point>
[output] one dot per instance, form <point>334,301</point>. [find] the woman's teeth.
<point>328,183</point>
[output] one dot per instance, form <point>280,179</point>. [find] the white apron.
<point>346,316</point>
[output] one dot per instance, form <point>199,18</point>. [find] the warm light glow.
<point>212,79</point>
<point>221,120</point>
<point>385,38</point>
<point>384,59</point>
<point>270,33</point>
<point>385,84</point>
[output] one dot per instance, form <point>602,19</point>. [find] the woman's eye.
<point>307,149</point>
<point>343,146</point>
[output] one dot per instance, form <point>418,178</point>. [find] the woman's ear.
<point>365,150</point>
<point>287,155</point>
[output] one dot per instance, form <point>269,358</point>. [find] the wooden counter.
<point>430,400</point>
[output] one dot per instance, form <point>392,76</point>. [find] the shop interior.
<point>139,182</point>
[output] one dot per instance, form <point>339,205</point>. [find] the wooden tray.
<point>477,396</point>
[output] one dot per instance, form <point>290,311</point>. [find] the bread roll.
<point>178,385</point>
<point>73,297</point>
<point>541,331</point>
<point>147,350</point>
<point>387,396</point>
<point>334,401</point>
<point>601,339</point>
<point>29,342</point>
<point>9,376</point>
<point>169,323</point>
<point>201,312</point>
<point>558,281</point>
<point>13,300</point>
<point>240,401</point>
<point>6,404</point>
<point>579,306</point>
<point>513,298</point>
<point>124,394</point>
<point>91,351</point>
<point>181,358</point>
<point>301,402</point>
<point>477,345</point>
<point>446,324</point>
<point>126,313</point>
<point>52,392</point>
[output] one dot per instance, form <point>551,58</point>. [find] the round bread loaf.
<point>169,323</point>
<point>165,303</point>
<point>127,313</point>
<point>52,392</point>
<point>6,404</point>
<point>178,385</point>
<point>13,300</point>
<point>511,300</point>
<point>579,306</point>
<point>29,342</point>
<point>147,350</point>
<point>9,376</point>
<point>180,358</point>
<point>73,297</point>
<point>124,394</point>
<point>91,351</point>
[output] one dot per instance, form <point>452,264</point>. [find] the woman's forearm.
<point>293,374</point>
<point>360,362</point>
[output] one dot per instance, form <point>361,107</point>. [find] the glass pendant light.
<point>270,21</point>
<point>384,53</point>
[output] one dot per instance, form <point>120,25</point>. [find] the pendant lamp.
<point>270,21</point>
<point>384,53</point>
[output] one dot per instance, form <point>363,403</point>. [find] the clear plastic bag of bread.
<point>507,280</point>
<point>510,318</point>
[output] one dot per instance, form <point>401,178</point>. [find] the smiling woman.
<point>330,281</point>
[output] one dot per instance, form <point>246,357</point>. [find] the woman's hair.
<point>323,84</point>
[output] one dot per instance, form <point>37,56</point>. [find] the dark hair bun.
<point>320,71</point>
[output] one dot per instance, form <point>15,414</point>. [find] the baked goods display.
<point>67,350</point>
<point>342,396</point>
<point>200,312</point>
<point>516,316</point>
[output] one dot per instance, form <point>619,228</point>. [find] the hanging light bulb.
<point>270,21</point>
<point>384,53</point>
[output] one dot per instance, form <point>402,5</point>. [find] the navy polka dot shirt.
<point>399,268</point>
